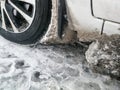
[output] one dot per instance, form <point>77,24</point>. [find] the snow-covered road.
<point>42,67</point>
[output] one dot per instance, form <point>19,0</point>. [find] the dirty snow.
<point>39,67</point>
<point>51,36</point>
<point>103,55</point>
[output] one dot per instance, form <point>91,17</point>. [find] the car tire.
<point>37,27</point>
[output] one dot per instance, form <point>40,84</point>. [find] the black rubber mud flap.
<point>61,17</point>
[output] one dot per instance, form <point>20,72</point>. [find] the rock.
<point>103,56</point>
<point>19,64</point>
<point>35,76</point>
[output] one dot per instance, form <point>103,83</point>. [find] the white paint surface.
<point>81,17</point>
<point>111,28</point>
<point>107,9</point>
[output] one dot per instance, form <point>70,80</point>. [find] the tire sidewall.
<point>35,28</point>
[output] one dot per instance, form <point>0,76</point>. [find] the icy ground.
<point>48,68</point>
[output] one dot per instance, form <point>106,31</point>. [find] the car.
<point>25,21</point>
<point>93,18</point>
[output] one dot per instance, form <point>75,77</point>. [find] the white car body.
<point>91,18</point>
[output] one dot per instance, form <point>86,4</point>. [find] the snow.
<point>103,56</point>
<point>40,67</point>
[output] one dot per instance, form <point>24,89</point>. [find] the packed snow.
<point>54,67</point>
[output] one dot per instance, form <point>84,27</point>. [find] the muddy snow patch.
<point>48,68</point>
<point>103,56</point>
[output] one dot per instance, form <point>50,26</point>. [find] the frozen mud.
<point>51,36</point>
<point>103,56</point>
<point>39,67</point>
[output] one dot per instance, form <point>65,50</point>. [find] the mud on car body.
<point>25,21</point>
